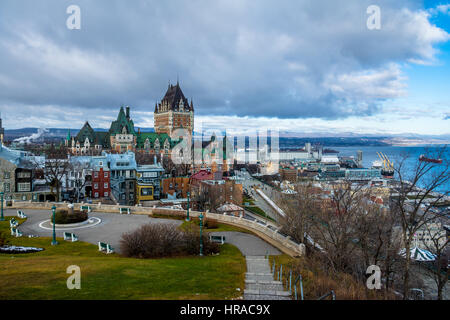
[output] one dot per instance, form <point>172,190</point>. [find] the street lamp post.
<point>187,217</point>
<point>201,238</point>
<point>54,242</point>
<point>1,217</point>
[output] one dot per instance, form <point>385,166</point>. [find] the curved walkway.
<point>109,230</point>
<point>113,225</point>
<point>248,244</point>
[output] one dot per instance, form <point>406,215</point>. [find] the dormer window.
<point>147,144</point>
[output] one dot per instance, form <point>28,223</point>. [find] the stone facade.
<point>121,138</point>
<point>7,174</point>
<point>173,112</point>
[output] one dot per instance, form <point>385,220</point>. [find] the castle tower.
<point>2,131</point>
<point>173,112</point>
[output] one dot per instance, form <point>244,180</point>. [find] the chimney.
<point>128,113</point>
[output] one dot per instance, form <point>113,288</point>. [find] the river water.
<point>396,154</point>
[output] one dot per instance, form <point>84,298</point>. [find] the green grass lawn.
<point>43,275</point>
<point>249,200</point>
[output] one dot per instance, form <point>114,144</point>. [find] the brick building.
<point>173,112</point>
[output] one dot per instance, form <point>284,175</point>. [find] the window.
<point>106,175</point>
<point>146,191</point>
<point>100,163</point>
<point>95,174</point>
<point>96,195</point>
<point>95,185</point>
<point>22,175</point>
<point>106,185</point>
<point>6,175</point>
<point>150,174</point>
<point>23,187</point>
<point>106,194</point>
<point>7,187</point>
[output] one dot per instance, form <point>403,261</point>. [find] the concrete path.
<point>259,282</point>
<point>248,244</point>
<point>110,230</point>
<point>113,225</point>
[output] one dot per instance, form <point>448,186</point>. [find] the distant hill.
<point>287,140</point>
<point>53,133</point>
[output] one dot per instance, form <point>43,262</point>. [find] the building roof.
<point>11,155</point>
<point>124,161</point>
<point>94,137</point>
<point>229,207</point>
<point>174,98</point>
<point>202,175</point>
<point>152,136</point>
<point>123,120</point>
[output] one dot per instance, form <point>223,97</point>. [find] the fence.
<point>294,283</point>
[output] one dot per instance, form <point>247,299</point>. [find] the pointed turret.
<point>2,131</point>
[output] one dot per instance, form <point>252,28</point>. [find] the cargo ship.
<point>386,165</point>
<point>425,159</point>
<point>387,173</point>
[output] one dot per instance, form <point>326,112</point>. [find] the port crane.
<point>388,165</point>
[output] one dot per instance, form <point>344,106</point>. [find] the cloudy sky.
<point>304,66</point>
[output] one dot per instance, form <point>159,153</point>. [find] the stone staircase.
<point>259,283</point>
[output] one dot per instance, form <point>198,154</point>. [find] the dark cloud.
<point>285,59</point>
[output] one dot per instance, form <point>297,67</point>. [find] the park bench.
<point>13,223</point>
<point>16,233</point>
<point>70,236</point>
<point>124,210</point>
<point>21,215</point>
<point>218,239</point>
<point>105,247</point>
<point>86,208</point>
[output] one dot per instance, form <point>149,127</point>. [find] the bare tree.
<point>81,176</point>
<point>56,168</point>
<point>438,245</point>
<point>299,208</point>
<point>414,196</point>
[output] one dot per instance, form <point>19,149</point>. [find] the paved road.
<point>249,244</point>
<point>113,225</point>
<point>111,228</point>
<point>247,182</point>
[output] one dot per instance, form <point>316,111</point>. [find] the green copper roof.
<point>95,138</point>
<point>152,136</point>
<point>121,122</point>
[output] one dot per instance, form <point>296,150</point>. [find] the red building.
<point>101,187</point>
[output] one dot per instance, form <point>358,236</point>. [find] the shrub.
<point>192,244</point>
<point>63,216</point>
<point>211,224</point>
<point>168,214</point>
<point>162,240</point>
<point>3,239</point>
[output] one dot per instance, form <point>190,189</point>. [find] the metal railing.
<point>331,293</point>
<point>293,286</point>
